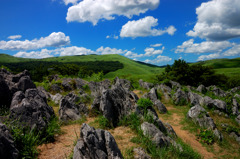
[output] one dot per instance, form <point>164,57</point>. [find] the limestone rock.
<point>97,144</point>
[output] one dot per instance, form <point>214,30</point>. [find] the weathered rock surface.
<point>199,116</point>
<point>202,89</point>
<point>56,98</point>
<point>9,84</point>
<point>123,82</point>
<point>238,119</point>
<point>47,94</point>
<point>145,85</point>
<point>175,85</point>
<point>96,144</point>
<point>155,134</point>
<point>70,109</point>
<point>7,148</point>
<point>214,103</point>
<point>97,87</point>
<point>139,153</point>
<point>170,130</point>
<point>80,83</point>
<point>152,95</point>
<point>160,106</point>
<point>68,84</point>
<point>235,107</point>
<point>5,93</point>
<point>55,88</point>
<point>116,103</point>
<point>31,109</point>
<point>217,91</point>
<point>194,98</point>
<point>180,97</point>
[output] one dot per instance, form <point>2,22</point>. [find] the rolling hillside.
<point>131,69</point>
<point>229,67</point>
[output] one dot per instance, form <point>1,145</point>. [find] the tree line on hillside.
<point>195,75</point>
<point>40,69</point>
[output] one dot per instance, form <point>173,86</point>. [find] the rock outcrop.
<point>115,103</point>
<point>123,82</point>
<point>145,85</point>
<point>97,144</point>
<point>31,109</point>
<point>9,84</point>
<point>202,89</point>
<point>7,148</point>
<point>71,109</point>
<point>56,98</point>
<point>180,97</point>
<point>97,87</point>
<point>155,134</point>
<point>199,116</point>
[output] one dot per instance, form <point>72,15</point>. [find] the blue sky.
<point>152,31</point>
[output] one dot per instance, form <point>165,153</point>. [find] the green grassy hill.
<point>229,67</point>
<point>132,69</point>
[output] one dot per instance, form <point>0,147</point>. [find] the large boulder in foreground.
<point>7,148</point>
<point>96,144</point>
<point>10,83</point>
<point>31,109</point>
<point>71,109</point>
<point>115,103</point>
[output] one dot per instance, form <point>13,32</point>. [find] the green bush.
<point>144,103</point>
<point>206,136</point>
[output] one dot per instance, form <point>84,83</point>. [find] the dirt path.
<point>64,143</point>
<point>185,135</point>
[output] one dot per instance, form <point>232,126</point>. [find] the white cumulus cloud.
<point>208,57</point>
<point>156,45</point>
<point>134,55</point>
<point>108,50</point>
<point>159,59</point>
<point>217,20</point>
<point>203,47</point>
<point>13,37</point>
<point>234,51</point>
<point>64,51</point>
<point>144,27</point>
<point>152,51</point>
<point>66,2</point>
<point>55,39</point>
<point>95,10</point>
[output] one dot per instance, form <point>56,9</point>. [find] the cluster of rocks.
<point>26,104</point>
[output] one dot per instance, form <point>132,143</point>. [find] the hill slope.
<point>229,67</point>
<point>131,69</point>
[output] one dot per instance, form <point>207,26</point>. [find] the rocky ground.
<point>94,118</point>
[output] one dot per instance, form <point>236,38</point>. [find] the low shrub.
<point>206,136</point>
<point>144,103</point>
